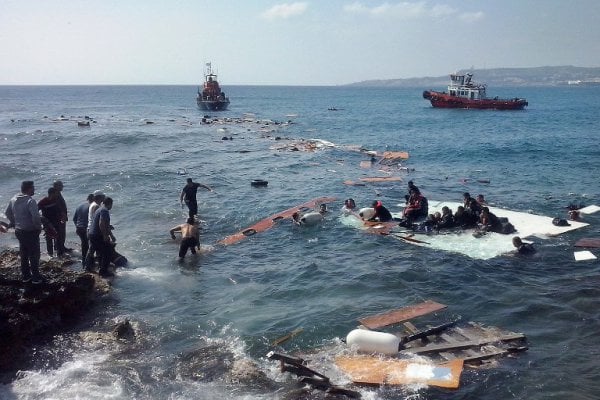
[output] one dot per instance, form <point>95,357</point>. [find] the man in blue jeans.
<point>23,214</point>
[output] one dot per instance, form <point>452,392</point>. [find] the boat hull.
<point>213,105</point>
<point>444,100</point>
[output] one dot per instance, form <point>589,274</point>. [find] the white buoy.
<point>373,342</point>
<point>366,213</point>
<point>311,218</point>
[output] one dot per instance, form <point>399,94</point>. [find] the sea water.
<point>229,303</point>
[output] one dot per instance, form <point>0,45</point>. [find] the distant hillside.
<point>537,76</point>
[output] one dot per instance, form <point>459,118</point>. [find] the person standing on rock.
<point>80,219</point>
<point>100,236</point>
<point>23,214</point>
<point>88,263</point>
<point>62,226</point>
<point>188,194</point>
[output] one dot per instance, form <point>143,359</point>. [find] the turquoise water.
<point>235,300</point>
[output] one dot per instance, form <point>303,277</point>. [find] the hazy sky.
<point>318,42</point>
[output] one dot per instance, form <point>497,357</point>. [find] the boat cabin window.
<point>452,93</point>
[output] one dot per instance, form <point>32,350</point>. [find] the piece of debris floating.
<point>309,376</point>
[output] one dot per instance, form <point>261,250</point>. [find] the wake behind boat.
<point>464,93</point>
<point>211,98</point>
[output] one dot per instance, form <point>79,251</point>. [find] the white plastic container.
<point>373,342</point>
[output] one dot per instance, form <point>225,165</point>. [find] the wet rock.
<point>124,330</point>
<point>29,314</point>
<point>205,364</point>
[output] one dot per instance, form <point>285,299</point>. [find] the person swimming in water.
<point>382,214</point>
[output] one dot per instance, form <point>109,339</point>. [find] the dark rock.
<point>30,313</point>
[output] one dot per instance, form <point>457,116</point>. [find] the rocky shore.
<point>31,314</point>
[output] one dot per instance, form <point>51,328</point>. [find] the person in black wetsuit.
<point>382,214</point>
<point>188,194</point>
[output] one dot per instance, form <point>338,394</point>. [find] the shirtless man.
<point>190,237</point>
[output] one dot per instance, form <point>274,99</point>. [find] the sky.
<point>261,42</point>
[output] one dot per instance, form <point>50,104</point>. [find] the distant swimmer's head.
<point>466,195</point>
<point>350,203</point>
<point>516,241</point>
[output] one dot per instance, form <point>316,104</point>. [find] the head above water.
<point>516,241</point>
<point>349,203</point>
<point>190,221</point>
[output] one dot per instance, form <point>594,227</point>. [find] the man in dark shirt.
<point>100,236</point>
<point>382,214</point>
<point>62,226</point>
<point>52,214</point>
<point>188,194</point>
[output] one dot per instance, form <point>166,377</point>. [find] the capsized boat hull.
<point>444,100</point>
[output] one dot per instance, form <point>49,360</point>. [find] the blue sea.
<point>224,307</point>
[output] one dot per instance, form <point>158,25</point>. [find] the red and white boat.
<point>464,93</point>
<point>211,98</point>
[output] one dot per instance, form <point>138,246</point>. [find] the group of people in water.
<point>474,213</point>
<point>92,223</point>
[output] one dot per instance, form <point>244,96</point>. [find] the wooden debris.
<point>287,337</point>
<point>381,179</point>
<point>391,371</point>
<point>472,343</point>
<point>309,376</point>
<point>402,314</point>
<point>588,242</point>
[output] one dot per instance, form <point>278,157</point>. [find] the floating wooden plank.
<point>381,179</point>
<point>377,371</point>
<point>588,242</point>
<point>272,220</point>
<point>287,337</point>
<point>437,348</point>
<point>402,314</point>
<point>393,155</point>
<point>352,183</point>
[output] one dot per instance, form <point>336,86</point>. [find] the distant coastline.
<point>496,77</point>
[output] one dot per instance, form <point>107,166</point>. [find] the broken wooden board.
<point>378,371</point>
<point>471,343</point>
<point>402,314</point>
<point>394,155</point>
<point>381,179</point>
<point>287,337</point>
<point>588,242</point>
<point>272,220</point>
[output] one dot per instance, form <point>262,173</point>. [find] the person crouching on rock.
<point>190,237</point>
